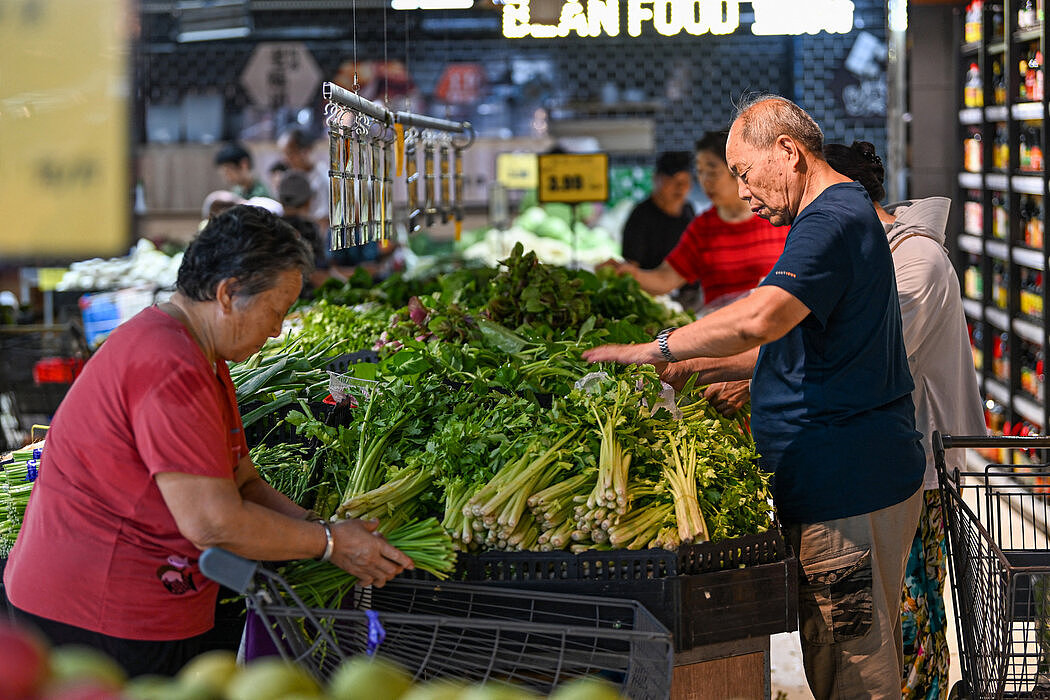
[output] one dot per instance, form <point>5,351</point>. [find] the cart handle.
<point>950,441</point>
<point>228,569</point>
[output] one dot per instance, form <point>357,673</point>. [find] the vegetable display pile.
<point>16,482</point>
<point>481,426</point>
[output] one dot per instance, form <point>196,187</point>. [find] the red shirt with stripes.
<point>726,258</point>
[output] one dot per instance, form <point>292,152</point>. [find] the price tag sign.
<point>573,178</point>
<point>516,171</point>
<point>64,161</point>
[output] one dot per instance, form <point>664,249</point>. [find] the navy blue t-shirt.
<point>831,404</point>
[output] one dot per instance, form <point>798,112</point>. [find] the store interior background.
<point>629,96</point>
<point>636,95</point>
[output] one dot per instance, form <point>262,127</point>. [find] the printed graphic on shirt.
<point>792,275</point>
<point>174,576</point>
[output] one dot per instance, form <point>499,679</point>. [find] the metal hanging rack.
<point>361,175</point>
<point>353,101</point>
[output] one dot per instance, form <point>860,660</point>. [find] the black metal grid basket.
<point>462,631</point>
<point>999,560</point>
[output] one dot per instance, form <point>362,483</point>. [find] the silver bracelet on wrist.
<point>329,546</point>
<point>661,342</point>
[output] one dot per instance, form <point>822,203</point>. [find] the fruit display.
<point>30,670</point>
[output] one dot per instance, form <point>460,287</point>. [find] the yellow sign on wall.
<point>516,171</point>
<point>64,128</point>
<point>573,177</point>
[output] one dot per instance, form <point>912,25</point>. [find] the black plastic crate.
<point>341,363</point>
<point>704,593</point>
<point>273,429</point>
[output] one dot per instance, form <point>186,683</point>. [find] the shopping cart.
<point>37,366</point>
<point>999,560</point>
<point>461,631</point>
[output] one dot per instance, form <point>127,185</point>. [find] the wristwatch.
<point>661,342</point>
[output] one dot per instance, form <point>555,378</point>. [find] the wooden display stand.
<point>737,670</point>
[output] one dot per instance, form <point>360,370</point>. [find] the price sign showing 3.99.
<point>573,177</point>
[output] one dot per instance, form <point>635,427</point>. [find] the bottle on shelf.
<point>1001,148</point>
<point>1001,357</point>
<point>1032,371</point>
<point>1035,148</point>
<point>1033,227</point>
<point>1026,14</point>
<point>1000,216</point>
<point>1035,70</point>
<point>997,22</point>
<point>972,26</point>
<point>1031,293</point>
<point>1000,284</point>
<point>998,83</point>
<point>1024,212</point>
<point>977,344</point>
<point>973,157</point>
<point>973,280</point>
<point>973,213</point>
<point>973,90</point>
<point>995,416</point>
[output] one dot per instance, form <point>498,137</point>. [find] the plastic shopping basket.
<point>999,561</point>
<point>461,631</point>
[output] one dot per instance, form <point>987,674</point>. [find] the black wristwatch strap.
<point>661,342</point>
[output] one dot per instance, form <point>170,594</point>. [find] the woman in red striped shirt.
<point>727,249</point>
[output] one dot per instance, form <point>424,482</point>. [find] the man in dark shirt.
<point>832,413</point>
<point>235,165</point>
<point>654,227</point>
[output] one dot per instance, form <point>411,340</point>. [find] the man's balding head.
<point>761,119</point>
<point>775,152</point>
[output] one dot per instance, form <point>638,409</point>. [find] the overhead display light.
<point>673,17</point>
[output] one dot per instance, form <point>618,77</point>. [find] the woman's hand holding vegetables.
<point>365,554</point>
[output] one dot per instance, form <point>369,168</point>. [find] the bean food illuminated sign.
<point>592,18</point>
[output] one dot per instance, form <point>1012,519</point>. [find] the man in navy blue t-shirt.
<point>832,413</point>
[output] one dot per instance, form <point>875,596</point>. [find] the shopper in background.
<point>275,172</point>
<point>216,203</point>
<point>946,398</point>
<point>146,465</point>
<point>296,196</point>
<point>297,149</point>
<point>235,165</point>
<point>832,413</point>
<point>654,226</point>
<point>727,249</point>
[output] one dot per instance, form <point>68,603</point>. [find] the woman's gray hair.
<point>759,128</point>
<point>247,244</point>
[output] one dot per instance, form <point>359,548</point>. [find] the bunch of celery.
<point>324,585</point>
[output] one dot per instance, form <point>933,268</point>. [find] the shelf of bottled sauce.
<point>1025,330</point>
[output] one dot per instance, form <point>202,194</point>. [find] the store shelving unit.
<point>1001,243</point>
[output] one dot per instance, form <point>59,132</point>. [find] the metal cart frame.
<point>999,562</point>
<point>461,631</point>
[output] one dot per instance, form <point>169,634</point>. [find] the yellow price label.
<point>573,177</point>
<point>47,278</point>
<point>516,171</point>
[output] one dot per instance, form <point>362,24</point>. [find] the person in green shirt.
<point>235,165</point>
